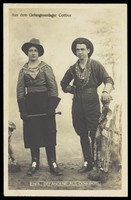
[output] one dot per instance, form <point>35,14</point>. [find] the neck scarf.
<point>32,71</point>
<point>83,75</point>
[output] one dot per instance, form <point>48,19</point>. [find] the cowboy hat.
<point>35,43</point>
<point>85,41</point>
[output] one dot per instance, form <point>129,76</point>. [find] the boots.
<point>87,143</point>
<point>35,154</point>
<point>51,157</point>
<point>86,167</point>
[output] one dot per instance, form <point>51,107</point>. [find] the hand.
<point>106,98</point>
<point>51,112</point>
<point>23,116</point>
<point>70,89</point>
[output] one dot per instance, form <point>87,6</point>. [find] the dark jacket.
<point>36,93</point>
<point>94,78</point>
<point>44,81</point>
<point>86,105</point>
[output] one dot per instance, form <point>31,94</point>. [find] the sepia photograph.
<point>65,100</point>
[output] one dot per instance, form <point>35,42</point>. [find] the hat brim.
<point>27,45</point>
<point>85,41</point>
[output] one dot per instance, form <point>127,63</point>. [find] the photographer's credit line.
<point>41,15</point>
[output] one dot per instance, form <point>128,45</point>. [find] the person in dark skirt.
<point>87,75</point>
<point>37,94</point>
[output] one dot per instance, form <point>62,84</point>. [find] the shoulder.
<point>72,67</point>
<point>23,69</point>
<point>44,67</point>
<point>96,65</point>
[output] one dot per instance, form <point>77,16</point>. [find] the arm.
<point>51,82</point>
<point>106,97</point>
<point>66,87</point>
<point>108,84</point>
<point>53,91</point>
<point>108,87</point>
<point>21,94</point>
<point>20,85</point>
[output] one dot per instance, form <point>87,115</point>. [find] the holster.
<point>53,102</point>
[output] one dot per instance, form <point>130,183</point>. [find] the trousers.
<point>87,144</point>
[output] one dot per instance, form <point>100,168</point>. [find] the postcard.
<point>75,53</point>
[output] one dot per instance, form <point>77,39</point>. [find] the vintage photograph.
<point>65,100</point>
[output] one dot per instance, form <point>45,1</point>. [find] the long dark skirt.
<point>85,112</point>
<point>38,131</point>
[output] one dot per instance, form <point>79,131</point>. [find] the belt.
<point>37,89</point>
<point>90,90</point>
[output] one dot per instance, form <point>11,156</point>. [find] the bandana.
<point>33,71</point>
<point>83,75</point>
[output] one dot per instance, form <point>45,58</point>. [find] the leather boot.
<point>51,157</point>
<point>86,144</point>
<point>86,167</point>
<point>35,154</point>
<point>55,170</point>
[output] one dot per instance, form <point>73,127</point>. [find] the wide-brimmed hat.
<point>85,41</point>
<point>35,43</point>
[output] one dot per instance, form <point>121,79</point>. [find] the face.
<point>82,51</point>
<point>33,54</point>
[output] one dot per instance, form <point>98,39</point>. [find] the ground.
<point>69,158</point>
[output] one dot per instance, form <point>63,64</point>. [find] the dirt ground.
<point>69,159</point>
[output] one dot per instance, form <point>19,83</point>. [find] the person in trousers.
<point>37,94</point>
<point>87,75</point>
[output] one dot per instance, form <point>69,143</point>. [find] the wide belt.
<point>37,89</point>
